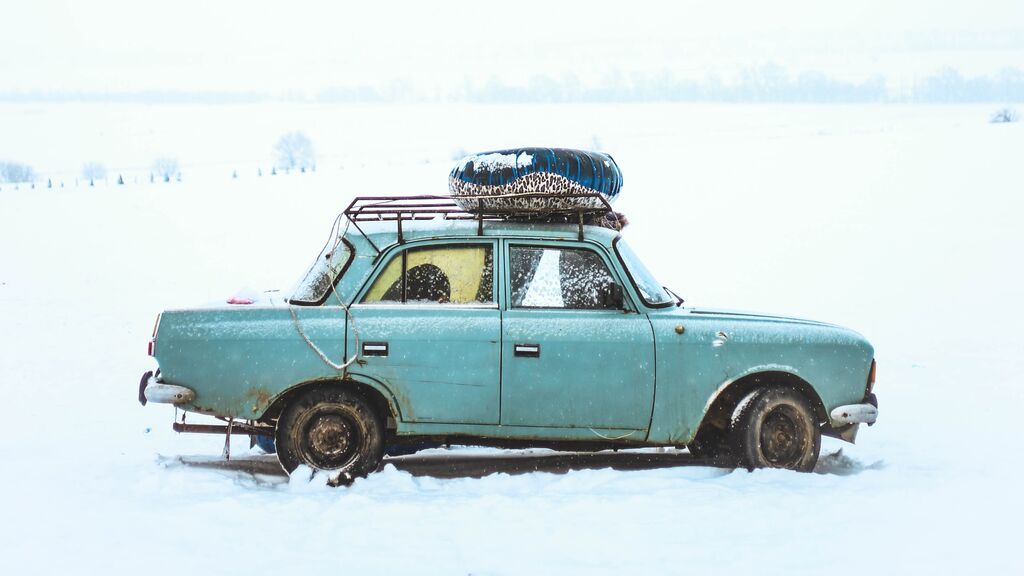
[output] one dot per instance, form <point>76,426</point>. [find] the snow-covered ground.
<point>898,221</point>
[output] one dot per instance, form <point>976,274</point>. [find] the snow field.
<point>898,221</point>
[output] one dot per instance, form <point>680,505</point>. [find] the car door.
<point>429,328</point>
<point>570,357</point>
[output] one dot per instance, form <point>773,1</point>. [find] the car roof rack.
<point>428,207</point>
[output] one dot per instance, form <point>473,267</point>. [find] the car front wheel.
<point>776,428</point>
<point>333,430</point>
<point>711,442</point>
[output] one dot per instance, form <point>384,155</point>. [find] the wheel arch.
<point>383,401</point>
<point>719,409</point>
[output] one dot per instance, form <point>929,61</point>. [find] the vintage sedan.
<point>421,323</point>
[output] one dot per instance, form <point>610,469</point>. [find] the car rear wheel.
<point>776,428</point>
<point>332,430</point>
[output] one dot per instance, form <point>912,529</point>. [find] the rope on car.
<point>626,435</point>
<point>348,313</point>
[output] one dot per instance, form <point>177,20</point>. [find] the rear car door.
<point>570,358</point>
<point>429,328</point>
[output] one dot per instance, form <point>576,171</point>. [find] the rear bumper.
<point>152,390</point>
<point>854,414</point>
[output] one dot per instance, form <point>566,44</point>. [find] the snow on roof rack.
<point>428,207</point>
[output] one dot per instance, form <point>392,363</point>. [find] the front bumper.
<point>844,421</point>
<point>152,390</point>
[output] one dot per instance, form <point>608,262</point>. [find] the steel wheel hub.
<point>781,437</point>
<point>331,440</point>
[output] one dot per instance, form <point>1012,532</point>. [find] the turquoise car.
<point>421,323</point>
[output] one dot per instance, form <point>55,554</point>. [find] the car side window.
<point>444,274</point>
<point>548,277</point>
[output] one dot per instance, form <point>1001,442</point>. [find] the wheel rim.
<point>782,437</point>
<point>331,438</point>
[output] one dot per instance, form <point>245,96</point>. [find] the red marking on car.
<point>151,348</point>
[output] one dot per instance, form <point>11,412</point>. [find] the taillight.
<point>871,376</point>
<point>152,340</point>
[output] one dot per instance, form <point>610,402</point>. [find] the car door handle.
<point>375,348</point>
<point>527,350</point>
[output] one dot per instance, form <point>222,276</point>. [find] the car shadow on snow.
<point>264,468</point>
<point>456,465</point>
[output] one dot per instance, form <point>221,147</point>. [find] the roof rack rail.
<point>428,207</point>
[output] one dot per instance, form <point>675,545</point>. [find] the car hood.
<point>758,315</point>
<point>821,331</point>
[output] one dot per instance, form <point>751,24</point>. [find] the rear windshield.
<point>318,282</point>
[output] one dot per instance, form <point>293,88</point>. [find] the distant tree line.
<point>292,151</point>
<point>950,86</point>
<point>767,83</point>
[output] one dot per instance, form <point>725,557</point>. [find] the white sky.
<point>304,46</point>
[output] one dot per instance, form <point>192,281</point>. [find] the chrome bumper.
<point>854,414</point>
<point>154,391</point>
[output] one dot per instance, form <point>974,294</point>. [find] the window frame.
<point>334,281</point>
<point>629,274</point>
<point>401,251</point>
<point>627,302</point>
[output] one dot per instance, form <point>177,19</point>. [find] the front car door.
<point>571,358</point>
<point>429,328</point>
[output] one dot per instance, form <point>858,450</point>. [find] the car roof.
<point>385,233</point>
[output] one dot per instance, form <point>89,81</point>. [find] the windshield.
<point>322,275</point>
<point>650,289</point>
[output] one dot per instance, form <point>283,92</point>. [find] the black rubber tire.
<point>711,442</point>
<point>333,430</point>
<point>775,428</point>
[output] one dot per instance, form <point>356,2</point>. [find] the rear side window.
<point>447,274</point>
<point>546,277</point>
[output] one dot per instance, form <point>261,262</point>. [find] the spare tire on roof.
<point>556,173</point>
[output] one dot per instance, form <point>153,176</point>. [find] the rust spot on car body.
<point>260,398</point>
